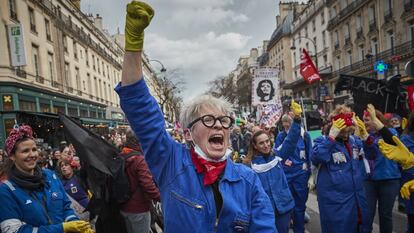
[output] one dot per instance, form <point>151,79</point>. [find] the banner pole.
<point>386,103</point>
<point>304,114</point>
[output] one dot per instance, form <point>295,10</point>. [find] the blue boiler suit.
<point>340,191</point>
<point>274,180</point>
<point>188,205</point>
<point>297,170</point>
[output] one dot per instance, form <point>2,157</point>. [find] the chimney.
<point>76,3</point>
<point>278,20</point>
<point>98,22</point>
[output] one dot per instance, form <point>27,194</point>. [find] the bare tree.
<point>223,86</point>
<point>169,86</point>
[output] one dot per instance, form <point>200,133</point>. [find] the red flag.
<point>410,97</point>
<point>307,69</point>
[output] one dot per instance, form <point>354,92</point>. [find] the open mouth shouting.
<point>216,141</point>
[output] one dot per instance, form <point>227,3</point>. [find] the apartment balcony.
<point>345,13</point>
<point>373,26</point>
<point>21,73</point>
<point>40,79</point>
<point>408,5</point>
<point>55,84</point>
<point>388,15</point>
<point>347,41</point>
<point>69,89</point>
<point>388,56</point>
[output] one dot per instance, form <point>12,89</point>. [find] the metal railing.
<point>387,54</point>
<point>388,15</point>
<point>408,5</point>
<point>372,25</point>
<point>355,5</point>
<point>40,79</point>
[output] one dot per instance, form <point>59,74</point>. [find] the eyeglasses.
<point>209,121</point>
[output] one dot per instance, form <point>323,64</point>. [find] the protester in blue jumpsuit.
<point>339,182</point>
<point>402,153</point>
<point>297,170</point>
<point>383,183</point>
<point>32,199</point>
<point>266,164</point>
<point>202,190</point>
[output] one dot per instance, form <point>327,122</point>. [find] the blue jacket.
<point>274,180</point>
<point>408,174</point>
<point>304,147</point>
<point>383,168</point>
<point>188,205</point>
<point>17,206</point>
<point>339,186</point>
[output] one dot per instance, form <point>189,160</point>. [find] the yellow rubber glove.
<point>404,122</point>
<point>89,194</point>
<point>407,189</point>
<point>75,226</point>
<point>336,127</point>
<point>361,130</point>
<point>378,124</point>
<point>138,17</point>
<point>89,230</point>
<point>399,153</point>
<point>296,108</point>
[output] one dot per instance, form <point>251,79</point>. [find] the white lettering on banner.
<point>16,42</point>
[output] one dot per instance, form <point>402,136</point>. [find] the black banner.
<point>386,95</point>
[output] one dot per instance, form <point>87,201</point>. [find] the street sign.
<point>409,68</point>
<point>16,42</point>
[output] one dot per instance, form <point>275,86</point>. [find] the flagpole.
<point>304,113</point>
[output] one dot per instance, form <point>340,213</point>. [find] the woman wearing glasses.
<point>202,190</point>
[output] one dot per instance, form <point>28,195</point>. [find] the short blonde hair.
<point>191,110</point>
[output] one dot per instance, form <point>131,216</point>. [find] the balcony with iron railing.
<point>40,79</point>
<point>13,15</point>
<point>359,33</point>
<point>388,15</point>
<point>347,40</point>
<point>373,25</point>
<point>65,23</point>
<point>408,5</point>
<point>387,55</point>
<point>345,13</point>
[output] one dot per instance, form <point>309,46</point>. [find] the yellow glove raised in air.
<point>337,126</point>
<point>399,153</point>
<point>296,108</point>
<point>378,124</point>
<point>138,17</point>
<point>361,130</point>
<point>406,189</point>
<point>76,226</point>
<point>404,122</point>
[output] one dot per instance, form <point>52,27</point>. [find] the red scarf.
<point>211,170</point>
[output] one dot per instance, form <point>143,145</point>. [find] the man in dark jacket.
<point>136,211</point>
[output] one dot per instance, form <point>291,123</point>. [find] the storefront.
<point>25,104</point>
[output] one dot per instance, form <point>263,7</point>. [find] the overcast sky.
<point>202,38</point>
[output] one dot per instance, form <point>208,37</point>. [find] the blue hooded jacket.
<point>25,213</point>
<point>188,205</point>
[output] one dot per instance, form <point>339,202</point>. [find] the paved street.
<point>400,220</point>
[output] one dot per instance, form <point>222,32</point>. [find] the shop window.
<point>7,102</point>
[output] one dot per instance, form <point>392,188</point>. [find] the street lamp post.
<point>163,69</point>
<point>314,47</point>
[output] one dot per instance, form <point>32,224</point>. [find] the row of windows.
<point>103,90</point>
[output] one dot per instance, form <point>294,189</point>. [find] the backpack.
<point>120,188</point>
